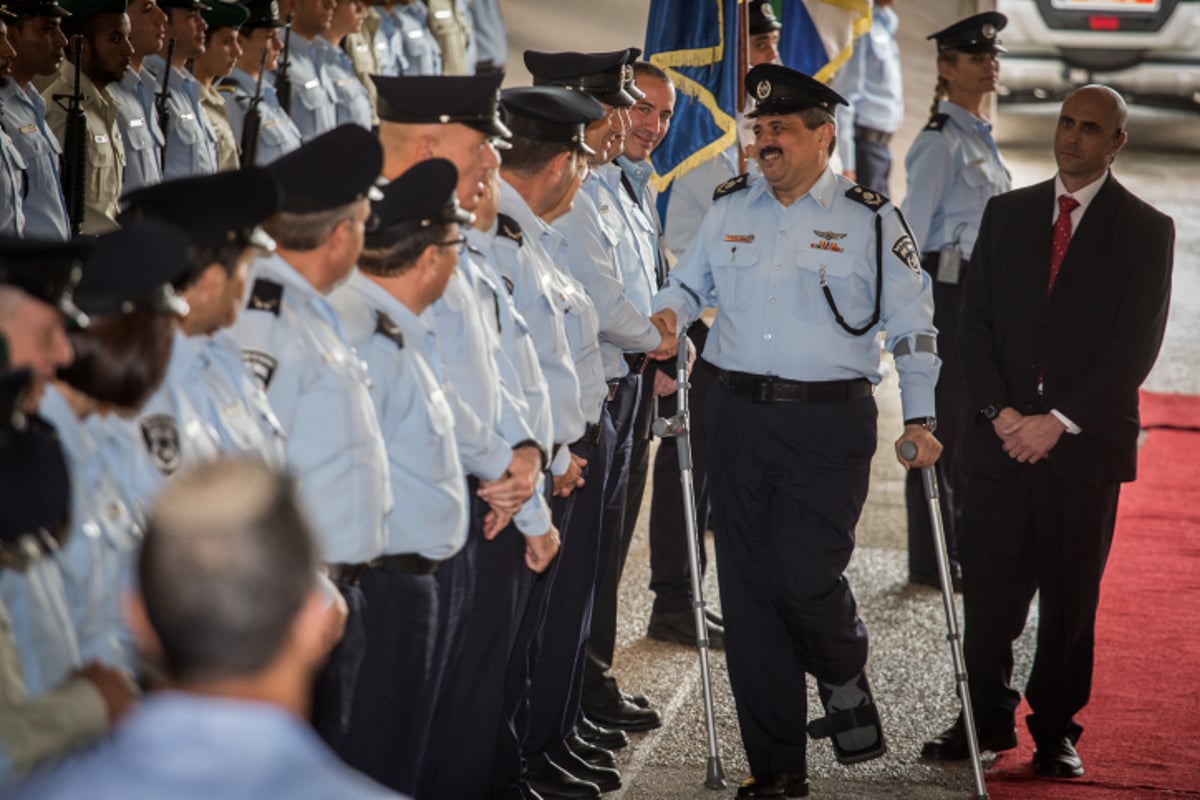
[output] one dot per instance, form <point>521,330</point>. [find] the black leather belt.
<point>769,389</point>
<point>408,563</point>
<point>872,135</point>
<point>350,574</point>
<point>613,385</point>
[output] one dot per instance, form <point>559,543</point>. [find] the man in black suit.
<point>1063,316</point>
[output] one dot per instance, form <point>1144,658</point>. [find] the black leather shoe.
<point>931,579</point>
<point>607,778</point>
<point>1056,758</point>
<point>607,738</point>
<point>679,627</point>
<point>774,784</point>
<point>614,711</point>
<point>951,744</point>
<point>553,782</point>
<point>592,754</point>
<point>639,700</point>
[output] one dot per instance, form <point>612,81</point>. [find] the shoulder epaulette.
<point>732,185</point>
<point>872,200</point>
<point>388,329</point>
<point>509,228</point>
<point>937,122</point>
<point>266,296</point>
<point>227,88</point>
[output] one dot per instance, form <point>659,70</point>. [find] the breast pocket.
<point>733,270</point>
<point>102,171</point>
<point>807,298</point>
<point>441,420</point>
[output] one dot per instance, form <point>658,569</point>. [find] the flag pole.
<point>743,61</point>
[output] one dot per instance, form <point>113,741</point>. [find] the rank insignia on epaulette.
<point>937,122</point>
<point>872,200</point>
<point>388,329</point>
<point>746,238</point>
<point>732,185</point>
<point>161,435</point>
<point>509,228</point>
<point>261,365</point>
<point>906,250</point>
<point>266,296</point>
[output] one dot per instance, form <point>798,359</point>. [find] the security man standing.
<point>191,143</point>
<point>806,269</point>
<point>134,94</point>
<point>313,104</point>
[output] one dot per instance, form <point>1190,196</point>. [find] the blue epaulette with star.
<point>872,200</point>
<point>937,122</point>
<point>732,185</point>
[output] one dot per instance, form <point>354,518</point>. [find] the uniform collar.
<point>638,172</point>
<point>412,325</point>
<point>821,192</point>
<point>76,443</point>
<point>963,118</point>
<point>513,204</point>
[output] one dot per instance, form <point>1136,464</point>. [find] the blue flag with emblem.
<point>818,35</point>
<point>695,42</point>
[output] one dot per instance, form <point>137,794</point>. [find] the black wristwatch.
<point>928,423</point>
<point>990,411</point>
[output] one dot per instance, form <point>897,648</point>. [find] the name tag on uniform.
<point>314,83</point>
<point>381,45</point>
<point>344,81</point>
<point>734,237</point>
<point>137,123</point>
<point>415,34</point>
<point>270,123</point>
<point>361,47</point>
<point>445,14</point>
<point>187,117</point>
<point>28,128</point>
<point>100,138</point>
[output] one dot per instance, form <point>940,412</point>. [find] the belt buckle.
<point>764,391</point>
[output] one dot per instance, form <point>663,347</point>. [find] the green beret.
<point>223,14</point>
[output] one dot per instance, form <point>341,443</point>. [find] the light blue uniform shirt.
<point>389,49</point>
<point>294,343</point>
<point>236,406</point>
<point>528,271</point>
<point>761,265</point>
<point>637,249</point>
<point>353,102</point>
<point>581,323</point>
<point>314,108</point>
<point>190,747</point>
<point>427,477</point>
<point>191,141</point>
<point>490,418</point>
<point>692,196</point>
<point>41,625</point>
<point>870,81</point>
<point>422,56</point>
<point>12,184</point>
<point>953,170</point>
<point>277,135</point>
<point>600,254</point>
<point>23,114</point>
<point>491,35</point>
<point>97,560</point>
<point>138,122</point>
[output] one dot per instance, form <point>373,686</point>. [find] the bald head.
<point>1104,96</point>
<point>1090,132</point>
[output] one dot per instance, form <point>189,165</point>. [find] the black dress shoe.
<point>592,754</point>
<point>639,700</point>
<point>679,627</point>
<point>553,782</point>
<point>931,578</point>
<point>607,778</point>
<point>775,784</point>
<point>951,744</point>
<point>1056,758</point>
<point>607,738</point>
<point>614,711</point>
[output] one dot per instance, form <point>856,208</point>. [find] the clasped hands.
<point>1027,439</point>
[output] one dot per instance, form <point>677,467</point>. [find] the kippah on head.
<point>47,270</point>
<point>333,170</point>
<point>471,100</point>
<point>134,269</point>
<point>779,90</point>
<point>975,34</point>
<point>424,196</point>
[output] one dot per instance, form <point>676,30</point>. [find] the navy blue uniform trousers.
<point>788,482</point>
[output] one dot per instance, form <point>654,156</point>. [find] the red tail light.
<point>1104,23</point>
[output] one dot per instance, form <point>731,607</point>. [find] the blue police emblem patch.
<point>906,251</point>
<point>161,436</point>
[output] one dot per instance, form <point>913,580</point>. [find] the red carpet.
<point>1142,727</point>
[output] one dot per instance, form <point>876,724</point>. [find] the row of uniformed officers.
<point>438,361</point>
<point>145,122</point>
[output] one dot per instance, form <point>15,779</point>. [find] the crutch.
<point>678,427</point>
<point>908,451</point>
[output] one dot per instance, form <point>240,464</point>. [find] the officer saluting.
<point>805,269</point>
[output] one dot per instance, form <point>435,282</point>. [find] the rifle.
<point>253,122</point>
<point>283,81</point>
<point>74,157</point>
<point>162,103</point>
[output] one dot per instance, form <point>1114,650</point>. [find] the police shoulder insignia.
<point>266,296</point>
<point>227,87</point>
<point>510,229</point>
<point>161,435</point>
<point>872,200</point>
<point>732,185</point>
<point>937,122</point>
<point>388,329</point>
<point>906,250</point>
<point>261,365</point>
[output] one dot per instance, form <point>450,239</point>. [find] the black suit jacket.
<point>1094,339</point>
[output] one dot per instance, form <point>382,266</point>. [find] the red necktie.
<point>1062,236</point>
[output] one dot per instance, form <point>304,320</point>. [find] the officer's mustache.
<point>770,150</point>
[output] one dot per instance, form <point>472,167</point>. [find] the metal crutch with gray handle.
<point>908,450</point>
<point>678,427</point>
